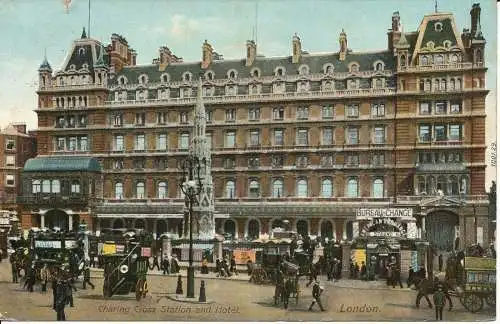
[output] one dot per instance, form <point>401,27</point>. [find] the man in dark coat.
<point>396,276</point>
<point>233,266</point>
<point>155,262</point>
<point>86,277</point>
<point>60,300</point>
<point>30,277</point>
<point>13,268</point>
<point>165,264</point>
<point>439,302</point>
<point>363,270</point>
<point>70,286</point>
<point>54,283</point>
<point>317,290</point>
<point>411,277</point>
<point>440,262</point>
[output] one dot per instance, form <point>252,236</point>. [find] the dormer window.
<point>165,78</point>
<point>354,68</point>
<point>255,73</point>
<point>232,74</point>
<point>279,72</point>
<point>438,26</point>
<point>81,51</point>
<point>209,75</point>
<point>122,80</point>
<point>379,66</point>
<point>328,69</point>
<point>304,70</point>
<point>85,66</point>
<point>447,44</point>
<point>72,67</point>
<point>186,77</point>
<point>143,79</point>
<point>439,59</point>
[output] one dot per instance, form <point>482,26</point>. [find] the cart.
<point>480,283</point>
<point>267,266</point>
<point>125,269</point>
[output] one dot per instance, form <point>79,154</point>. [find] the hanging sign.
<point>367,230</point>
<point>384,212</point>
<point>48,244</point>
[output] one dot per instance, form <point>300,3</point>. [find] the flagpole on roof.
<point>89,22</point>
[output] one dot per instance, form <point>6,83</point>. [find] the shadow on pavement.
<point>100,297</point>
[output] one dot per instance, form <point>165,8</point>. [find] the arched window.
<point>303,228</point>
<point>329,69</point>
<point>46,186</point>
<point>119,190</point>
<point>326,229</point>
<point>453,186</point>
<point>302,188</point>
<point>354,68</point>
<point>162,190</point>
<point>326,188</point>
<point>402,61</point>
<point>36,186</point>
<point>430,185</point>
<point>443,85</point>
<point>253,229</point>
<point>378,188</point>
<point>442,184</point>
<point>464,185</point>
<point>230,227</point>
<point>454,58</point>
<point>379,67</point>
<point>139,190</point>
<point>479,56</point>
<point>428,85</point>
<point>452,84</point>
<point>230,189</point>
<point>254,189</point>
<point>278,188</point>
<point>75,187</point>
<point>352,188</point>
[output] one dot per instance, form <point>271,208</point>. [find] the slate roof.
<point>62,164</point>
<point>438,37</point>
<point>45,66</point>
<point>78,59</point>
<point>267,66</point>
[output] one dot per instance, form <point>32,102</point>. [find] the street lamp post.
<point>191,186</point>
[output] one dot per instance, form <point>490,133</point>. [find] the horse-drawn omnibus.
<point>126,263</point>
<point>480,283</point>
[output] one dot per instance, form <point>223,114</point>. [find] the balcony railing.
<point>441,67</point>
<point>54,200</point>
<point>70,87</point>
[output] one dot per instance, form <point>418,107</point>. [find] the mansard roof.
<point>83,53</point>
<point>62,164</point>
<point>266,65</point>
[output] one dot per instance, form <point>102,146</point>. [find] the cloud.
<point>183,27</point>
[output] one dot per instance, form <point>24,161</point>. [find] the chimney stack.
<point>395,32</point>
<point>207,55</point>
<point>251,52</point>
<point>20,127</point>
<point>296,49</point>
<point>475,18</point>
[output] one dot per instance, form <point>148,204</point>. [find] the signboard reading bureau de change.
<point>384,212</point>
<point>48,244</point>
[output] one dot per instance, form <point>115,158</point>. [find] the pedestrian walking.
<point>44,276</point>
<point>317,290</point>
<point>54,283</point>
<point>30,278</point>
<point>165,264</point>
<point>225,267</point>
<point>233,266</point>
<point>439,302</point>
<point>13,268</point>
<point>396,276</point>
<point>86,277</point>
<point>60,300</point>
<point>411,277</point>
<point>362,271</point>
<point>70,287</point>
<point>313,275</point>
<point>440,262</point>
<point>155,263</point>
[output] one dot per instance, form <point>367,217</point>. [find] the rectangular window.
<point>327,112</point>
<point>161,142</point>
<point>378,110</point>
<point>278,137</point>
<point>278,113</point>
<point>61,144</point>
<point>352,136</point>
<point>140,142</point>
<point>83,144</point>
<point>184,142</point>
<point>229,163</point>
<point>210,115</point>
<point>353,159</point>
<point>140,119</point>
<point>439,133</point>
<point>161,117</point>
<point>302,136</point>
<point>82,121</point>
<point>230,139</point>
<point>118,120</point>
<point>60,122</point>
<point>230,114</point>
<point>327,160</point>
<point>254,114</point>
<point>425,108</point>
<point>72,143</point>
<point>327,138</point>
<point>353,110</point>
<point>11,144</point>
<point>379,135</point>
<point>118,143</point>
<point>424,133</point>
<point>378,159</point>
<point>302,112</point>
<point>277,161</point>
<point>118,164</point>
<point>254,138</point>
<point>440,107</point>
<point>10,160</point>
<point>10,180</point>
<point>75,187</point>
<point>183,117</point>
<point>302,161</point>
<point>456,107</point>
<point>253,163</point>
<point>455,132</point>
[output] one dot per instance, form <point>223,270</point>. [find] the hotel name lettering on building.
<point>384,212</point>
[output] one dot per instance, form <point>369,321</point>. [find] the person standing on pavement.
<point>60,300</point>
<point>86,277</point>
<point>396,276</point>
<point>363,270</point>
<point>439,302</point>
<point>317,290</point>
<point>54,283</point>
<point>13,268</point>
<point>70,286</point>
<point>44,277</point>
<point>233,266</point>
<point>204,266</point>
<point>440,262</point>
<point>165,264</point>
<point>155,262</point>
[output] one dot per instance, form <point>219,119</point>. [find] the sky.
<point>31,28</point>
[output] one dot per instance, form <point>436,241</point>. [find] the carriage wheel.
<point>473,302</point>
<point>491,300</point>
<point>139,289</point>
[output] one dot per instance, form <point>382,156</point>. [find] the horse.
<point>430,286</point>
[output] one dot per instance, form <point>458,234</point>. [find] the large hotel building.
<point>330,142</point>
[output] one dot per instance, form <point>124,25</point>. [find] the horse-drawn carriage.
<point>480,283</point>
<point>126,263</point>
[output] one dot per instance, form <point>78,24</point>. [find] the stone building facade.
<point>309,138</point>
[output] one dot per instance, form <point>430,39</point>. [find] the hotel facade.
<point>335,143</point>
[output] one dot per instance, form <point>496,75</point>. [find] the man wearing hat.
<point>317,290</point>
<point>439,302</point>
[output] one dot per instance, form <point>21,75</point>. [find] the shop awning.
<point>156,216</point>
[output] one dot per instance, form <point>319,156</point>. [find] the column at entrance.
<point>42,220</point>
<point>70,222</point>
<point>344,229</point>
<point>355,229</point>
